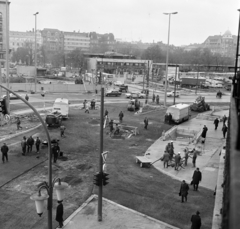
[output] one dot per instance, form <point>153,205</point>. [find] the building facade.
<point>3,32</point>
<point>223,44</point>
<point>22,39</point>
<point>76,40</point>
<point>53,40</point>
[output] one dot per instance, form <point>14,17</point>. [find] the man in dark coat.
<point>196,221</point>
<point>194,158</point>
<point>184,191</point>
<point>24,145</point>
<point>157,99</point>
<point>111,125</point>
<point>4,150</point>
<point>204,133</point>
<point>165,159</point>
<point>153,98</point>
<point>30,143</point>
<point>224,130</point>
<point>121,116</point>
<point>171,150</point>
<point>196,178</point>
<point>59,214</point>
<point>37,144</point>
<point>18,123</point>
<point>216,121</point>
<point>177,161</point>
<point>166,118</point>
<point>145,123</point>
<point>55,152</point>
<point>169,118</point>
<point>224,119</point>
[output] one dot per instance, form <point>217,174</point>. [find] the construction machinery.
<point>200,105</point>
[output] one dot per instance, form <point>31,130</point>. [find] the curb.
<point>20,133</point>
<point>217,216</point>
<point>94,196</point>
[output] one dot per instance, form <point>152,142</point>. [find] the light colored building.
<point>21,39</point>
<point>74,40</point>
<point>223,44</point>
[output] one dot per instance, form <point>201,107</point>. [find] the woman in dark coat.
<point>224,130</point>
<point>59,214</point>
<point>204,133</point>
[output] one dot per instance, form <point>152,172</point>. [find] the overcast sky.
<point>131,20</point>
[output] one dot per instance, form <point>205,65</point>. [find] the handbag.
<point>191,183</point>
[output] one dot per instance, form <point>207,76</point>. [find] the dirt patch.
<point>72,180</point>
<point>94,122</point>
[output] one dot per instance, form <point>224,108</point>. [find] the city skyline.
<point>131,20</point>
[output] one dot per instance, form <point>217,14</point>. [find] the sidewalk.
<point>115,216</point>
<point>207,162</point>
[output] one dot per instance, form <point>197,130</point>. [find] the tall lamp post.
<point>35,56</point>
<point>166,77</point>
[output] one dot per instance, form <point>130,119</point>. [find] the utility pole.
<point>100,156</point>
<point>35,53</point>
<point>7,52</point>
<point>147,87</point>
<point>174,97</point>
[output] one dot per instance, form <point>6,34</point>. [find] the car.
<point>11,96</point>
<point>204,86</point>
<point>113,93</point>
<point>123,88</point>
<point>173,93</point>
<point>145,91</point>
<point>135,95</point>
<point>118,83</point>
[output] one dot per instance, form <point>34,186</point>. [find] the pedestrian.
<point>145,123</point>
<point>165,158</point>
<point>194,158</point>
<point>37,144</point>
<point>216,121</point>
<point>62,130</point>
<point>157,99</point>
<point>204,133</point>
<point>94,104</point>
<point>224,119</point>
<point>24,145</point>
<point>166,118</point>
<point>111,126</point>
<point>177,160</point>
<point>30,143</point>
<point>196,178</point>
<point>4,150</point>
<point>224,130</point>
<point>121,115</point>
<point>59,213</point>
<point>96,91</point>
<point>84,104</point>
<point>186,156</point>
<point>106,113</point>
<point>27,97</point>
<point>18,123</point>
<point>55,152</point>
<point>153,98</point>
<point>87,108</point>
<point>169,118</point>
<point>184,191</point>
<point>196,221</point>
<point>171,150</point>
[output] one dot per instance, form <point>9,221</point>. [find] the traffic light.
<point>98,179</point>
<point>105,178</point>
<point>4,108</point>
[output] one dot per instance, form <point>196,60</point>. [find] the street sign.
<point>104,156</point>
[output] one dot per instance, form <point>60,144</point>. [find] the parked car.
<point>11,96</point>
<point>118,83</point>
<point>173,94</point>
<point>135,95</point>
<point>204,86</point>
<point>123,88</point>
<point>113,93</point>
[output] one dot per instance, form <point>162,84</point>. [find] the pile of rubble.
<point>200,105</point>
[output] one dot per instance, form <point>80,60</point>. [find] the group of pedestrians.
<point>87,105</point>
<point>27,145</point>
<point>224,127</point>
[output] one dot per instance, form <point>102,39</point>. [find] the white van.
<point>62,106</point>
<point>179,112</point>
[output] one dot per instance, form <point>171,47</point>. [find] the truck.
<point>190,81</point>
<point>61,105</point>
<point>180,112</point>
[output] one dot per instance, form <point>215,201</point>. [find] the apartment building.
<point>74,40</point>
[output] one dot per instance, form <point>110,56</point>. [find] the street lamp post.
<point>166,77</point>
<point>35,56</point>
<point>49,153</point>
